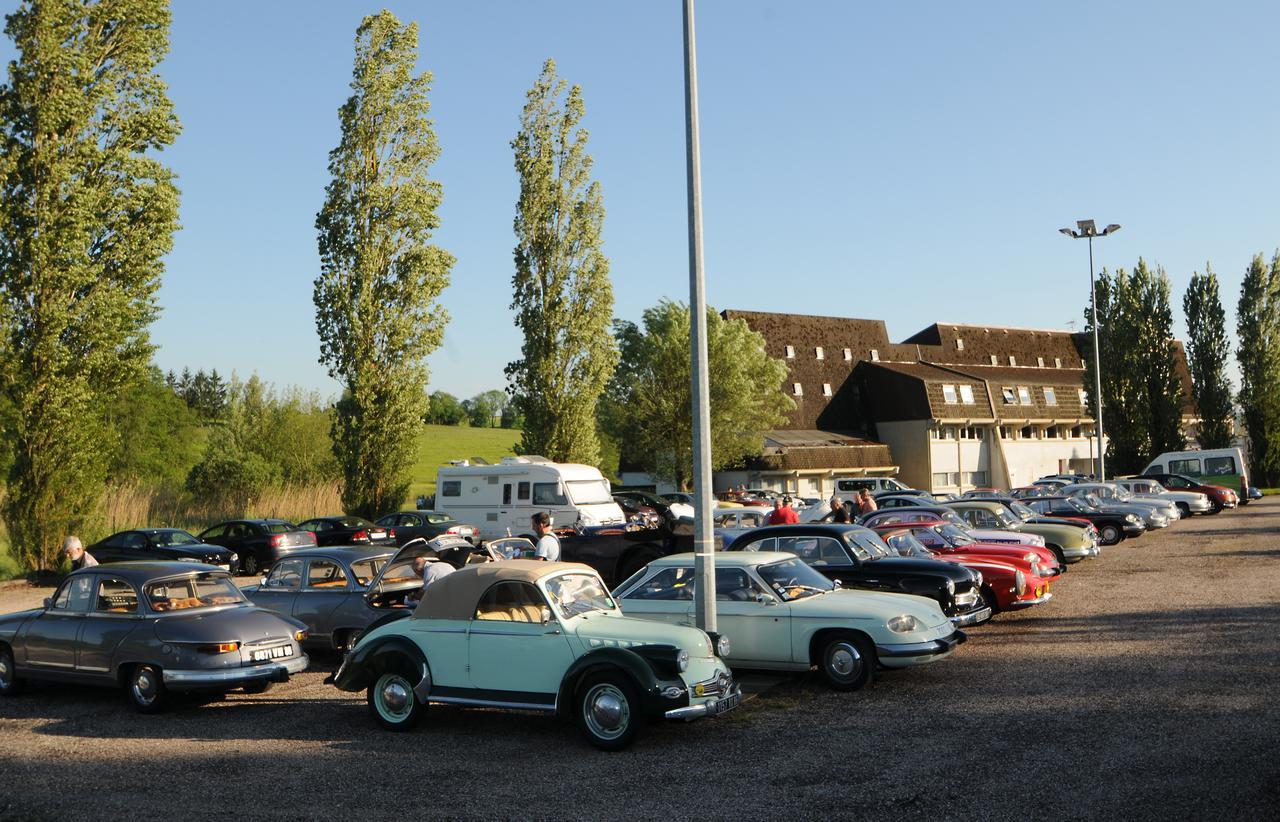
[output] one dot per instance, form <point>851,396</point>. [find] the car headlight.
<point>905,624</point>
<point>188,559</point>
<point>1131,518</point>
<point>1020,582</point>
<point>235,557</point>
<point>977,579</point>
<point>951,587</point>
<point>682,660</point>
<point>723,647</point>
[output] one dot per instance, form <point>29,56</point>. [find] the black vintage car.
<point>149,544</point>
<point>259,542</point>
<point>857,558</point>
<point>348,530</point>
<point>151,628</point>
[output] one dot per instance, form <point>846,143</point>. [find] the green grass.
<point>440,443</point>
<point>1270,492</point>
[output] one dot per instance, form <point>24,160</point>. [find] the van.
<point>501,499</point>
<point>1214,466</point>
<point>852,485</point>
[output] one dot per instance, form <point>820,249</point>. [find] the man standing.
<point>865,503</point>
<point>838,512</point>
<point>782,513</point>
<point>548,547</point>
<point>75,552</point>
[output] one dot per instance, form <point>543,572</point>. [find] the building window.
<point>946,479</point>
<point>1077,432</point>
<point>1084,397</point>
<point>943,432</point>
<point>949,394</point>
<point>1040,362</point>
<point>994,360</point>
<point>978,478</point>
<point>971,432</point>
<point>1027,433</point>
<point>797,389</point>
<point>791,352</point>
<point>1050,396</point>
<point>1006,433</point>
<point>1051,432</point>
<point>1013,360</point>
<point>826,389</point>
<point>1007,394</point>
<point>1024,395</point>
<point>875,355</point>
<point>848,354</point>
<point>818,352</point>
<point>1057,362</point>
<point>959,344</point>
<point>966,394</point>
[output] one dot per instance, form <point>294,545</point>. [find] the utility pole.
<point>703,537</point>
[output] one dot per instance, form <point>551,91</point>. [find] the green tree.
<point>562,295</point>
<point>445,409</point>
<point>376,310</point>
<point>486,408</point>
<point>648,406</point>
<point>87,213</point>
<point>1207,351</point>
<point>1258,335</point>
<point>159,435</point>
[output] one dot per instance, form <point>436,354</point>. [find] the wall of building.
<point>909,442</point>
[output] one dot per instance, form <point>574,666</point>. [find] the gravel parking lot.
<point>1143,689</point>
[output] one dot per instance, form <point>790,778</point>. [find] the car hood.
<point>601,629</point>
<point>911,565</point>
<point>1007,537</point>
<point>850,603</point>
<point>245,623</point>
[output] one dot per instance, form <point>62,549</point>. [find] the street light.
<point>1086,228</point>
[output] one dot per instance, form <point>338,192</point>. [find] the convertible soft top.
<point>456,595</point>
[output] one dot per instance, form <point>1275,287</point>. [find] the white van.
<point>1215,466</point>
<point>500,499</point>
<point>847,486</point>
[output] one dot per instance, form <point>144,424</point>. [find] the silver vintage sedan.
<point>152,628</point>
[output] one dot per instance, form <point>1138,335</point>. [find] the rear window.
<point>280,527</point>
<point>436,519</point>
<point>187,593</point>
<point>1219,466</point>
<point>354,522</point>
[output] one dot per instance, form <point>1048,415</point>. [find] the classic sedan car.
<point>407,525</point>
<point>1112,526</point>
<point>1069,543</point>
<point>939,510</point>
<point>731,523</point>
<point>1150,515</point>
<point>538,636</point>
<point>858,559</point>
<point>1188,502</point>
<point>162,544</point>
<point>1220,496</point>
<point>152,628</point>
<point>784,615</point>
<point>348,531</point>
<point>1111,493</point>
<point>944,538</point>
<point>258,542</point>
<point>1005,585</point>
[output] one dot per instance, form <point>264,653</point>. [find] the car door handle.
<point>551,631</point>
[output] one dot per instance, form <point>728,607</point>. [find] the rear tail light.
<point>391,534</point>
<point>301,636</point>
<point>454,530</point>
<point>277,540</point>
<point>219,648</point>
<point>312,534</point>
<point>359,535</point>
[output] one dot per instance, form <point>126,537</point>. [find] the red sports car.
<point>1007,584</point>
<point>944,538</point>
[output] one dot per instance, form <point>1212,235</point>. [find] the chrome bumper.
<point>273,671</point>
<point>712,707</point>
<point>931,648</point>
<point>972,618</point>
<point>1027,603</point>
<point>1080,552</point>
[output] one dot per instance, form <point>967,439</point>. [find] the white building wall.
<point>909,443</point>
<point>1029,460</point>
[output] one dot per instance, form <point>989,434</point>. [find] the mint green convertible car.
<point>539,636</point>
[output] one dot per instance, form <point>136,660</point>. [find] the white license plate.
<point>377,535</point>
<point>275,652</point>
<point>727,703</point>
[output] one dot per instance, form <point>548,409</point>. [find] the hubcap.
<point>606,711</point>
<point>394,696</point>
<point>844,659</point>
<point>4,671</point>
<point>144,686</point>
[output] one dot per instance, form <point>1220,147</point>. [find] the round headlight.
<point>977,579</point>
<point>904,624</point>
<point>1020,582</point>
<point>951,587</point>
<point>682,660</point>
<point>234,556</point>
<point>723,647</point>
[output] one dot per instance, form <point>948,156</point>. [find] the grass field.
<point>440,443</point>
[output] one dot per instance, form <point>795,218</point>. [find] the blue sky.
<point>905,161</point>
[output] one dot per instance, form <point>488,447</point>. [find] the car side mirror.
<point>839,583</point>
<point>48,601</point>
<point>546,615</point>
<point>262,581</point>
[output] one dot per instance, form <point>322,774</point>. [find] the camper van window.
<point>1219,466</point>
<point>548,493</point>
<point>451,488</point>
<point>522,490</point>
<point>589,492</point>
<point>1189,467</point>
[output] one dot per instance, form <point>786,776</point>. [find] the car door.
<point>109,550</point>
<point>217,535</point>
<point>282,586</point>
<point>113,615</point>
<point>134,546</point>
<point>665,596</point>
<point>325,588</point>
<point>512,656</point>
<point>757,623</point>
<point>52,638</point>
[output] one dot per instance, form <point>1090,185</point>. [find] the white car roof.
<point>728,559</point>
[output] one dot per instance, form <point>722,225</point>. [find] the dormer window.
<point>949,394</point>
<point>791,352</point>
<point>995,360</point>
<point>875,355</point>
<point>826,389</point>
<point>1057,362</point>
<point>1040,362</point>
<point>798,389</point>
<point>818,352</point>
<point>848,354</point>
<point>959,344</point>
<point>1013,360</point>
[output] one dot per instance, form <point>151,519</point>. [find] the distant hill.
<point>440,443</point>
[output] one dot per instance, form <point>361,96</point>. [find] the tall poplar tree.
<point>1207,351</point>
<point>1258,335</point>
<point>87,213</point>
<point>562,295</point>
<point>375,298</point>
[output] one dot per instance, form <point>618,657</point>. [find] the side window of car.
<point>674,583</point>
<point>324,573</point>
<point>216,532</point>
<point>766,544</point>
<point>736,585</point>
<point>411,520</point>
<point>115,596</point>
<point>1219,466</point>
<point>134,541</point>
<point>807,548</point>
<point>287,574</point>
<point>511,602</point>
<point>548,493</point>
<point>74,594</point>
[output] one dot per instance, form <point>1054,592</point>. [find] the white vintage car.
<point>1188,502</point>
<point>537,636</point>
<point>731,523</point>
<point>784,615</point>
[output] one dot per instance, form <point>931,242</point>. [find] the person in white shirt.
<point>548,547</point>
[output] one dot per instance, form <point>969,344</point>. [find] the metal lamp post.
<point>1086,228</point>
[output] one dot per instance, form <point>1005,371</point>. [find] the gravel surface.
<point>1144,689</point>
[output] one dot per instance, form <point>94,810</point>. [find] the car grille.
<point>715,686</point>
<point>966,599</point>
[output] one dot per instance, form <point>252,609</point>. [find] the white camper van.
<point>500,499</point>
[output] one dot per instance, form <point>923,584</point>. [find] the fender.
<point>366,662</point>
<point>643,674</point>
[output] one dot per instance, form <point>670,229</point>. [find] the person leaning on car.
<point>838,512</point>
<point>548,547</point>
<point>782,513</point>
<point>80,558</point>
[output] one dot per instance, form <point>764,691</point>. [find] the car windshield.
<point>576,594</point>
<point>955,519</point>
<point>872,544</point>
<point>1079,504</point>
<point>589,492</point>
<point>793,579</point>
<point>165,538</point>
<point>1123,493</point>
<point>207,590</point>
<point>1022,510</point>
<point>1005,519</point>
<point>908,546</point>
<point>1092,500</point>
<point>954,535</point>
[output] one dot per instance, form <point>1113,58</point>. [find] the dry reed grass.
<point>138,506</point>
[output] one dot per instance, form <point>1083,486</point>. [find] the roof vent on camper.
<point>480,461</point>
<point>459,463</point>
<point>525,459</point>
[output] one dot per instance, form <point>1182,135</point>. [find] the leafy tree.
<point>87,213</point>
<point>563,298</point>
<point>1258,334</point>
<point>485,408</point>
<point>376,310</point>
<point>445,410</point>
<point>1207,350</point>
<point>159,435</point>
<point>648,405</point>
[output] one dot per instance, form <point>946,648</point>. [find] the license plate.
<point>276,652</point>
<point>225,567</point>
<point>728,703</point>
<point>377,534</point>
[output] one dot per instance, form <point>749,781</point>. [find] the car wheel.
<point>258,686</point>
<point>848,662</point>
<point>249,564</point>
<point>393,703</point>
<point>637,560</point>
<point>1184,510</point>
<point>1109,534</point>
<point>609,712</point>
<point>9,682</point>
<point>1215,507</point>
<point>1059,555</point>
<point>145,688</point>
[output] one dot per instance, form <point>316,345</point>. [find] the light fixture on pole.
<point>1087,228</point>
